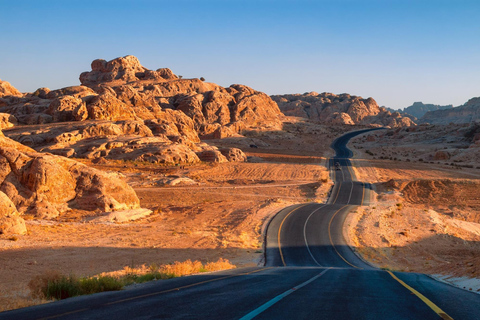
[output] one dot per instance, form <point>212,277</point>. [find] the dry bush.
<point>39,284</point>
<point>221,264</point>
<point>182,268</point>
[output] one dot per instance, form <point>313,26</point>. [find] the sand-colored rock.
<point>46,185</point>
<point>10,220</point>
<point>7,121</point>
<point>67,108</point>
<point>123,215</point>
<point>129,101</point>
<point>339,109</point>
<point>234,154</point>
<point>6,89</point>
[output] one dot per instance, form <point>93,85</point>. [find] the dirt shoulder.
<point>424,218</point>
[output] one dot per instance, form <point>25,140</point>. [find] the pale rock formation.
<point>128,102</point>
<point>6,89</point>
<point>10,220</point>
<point>46,185</point>
<point>233,154</point>
<point>67,108</point>
<point>339,109</point>
<point>7,121</point>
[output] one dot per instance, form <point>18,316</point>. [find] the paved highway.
<point>310,273</point>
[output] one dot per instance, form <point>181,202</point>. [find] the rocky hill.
<point>418,109</point>
<point>124,111</point>
<point>467,113</point>
<point>339,109</point>
<point>120,111</point>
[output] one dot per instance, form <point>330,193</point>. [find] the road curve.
<point>310,273</point>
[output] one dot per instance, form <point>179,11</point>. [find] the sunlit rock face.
<point>123,110</point>
<point>46,185</point>
<point>339,109</point>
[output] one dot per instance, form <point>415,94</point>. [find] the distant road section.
<point>310,273</point>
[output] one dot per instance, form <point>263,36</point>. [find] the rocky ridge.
<point>467,113</point>
<point>339,109</point>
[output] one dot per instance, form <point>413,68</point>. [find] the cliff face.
<point>339,109</point>
<point>469,112</point>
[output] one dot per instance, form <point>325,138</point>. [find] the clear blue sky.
<point>397,52</point>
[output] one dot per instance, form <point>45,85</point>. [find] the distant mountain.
<point>469,112</point>
<point>418,109</point>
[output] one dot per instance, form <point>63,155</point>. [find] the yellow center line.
<point>331,241</point>
<point>160,292</point>
<point>429,303</point>
<point>280,229</point>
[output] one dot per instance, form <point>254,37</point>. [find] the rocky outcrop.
<point>7,121</point>
<point>467,113</point>
<point>339,109</point>
<point>46,185</point>
<point>122,93</point>
<point>6,89</point>
<point>10,220</point>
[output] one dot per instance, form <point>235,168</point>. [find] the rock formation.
<point>46,185</point>
<point>6,89</point>
<point>124,111</point>
<point>339,109</point>
<point>469,112</point>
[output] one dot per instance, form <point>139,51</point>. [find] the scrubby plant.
<point>53,285</point>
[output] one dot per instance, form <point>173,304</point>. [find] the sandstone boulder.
<point>10,220</point>
<point>233,154</point>
<point>67,108</point>
<point>107,107</point>
<point>6,89</point>
<point>211,155</point>
<point>7,121</point>
<point>46,185</point>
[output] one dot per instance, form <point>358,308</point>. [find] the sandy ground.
<point>222,215</point>
<point>425,218</point>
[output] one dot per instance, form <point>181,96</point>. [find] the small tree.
<point>202,78</point>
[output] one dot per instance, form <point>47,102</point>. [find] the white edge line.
<point>305,235</point>
<point>270,303</point>
<point>350,197</point>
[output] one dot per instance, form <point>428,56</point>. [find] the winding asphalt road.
<point>310,273</point>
